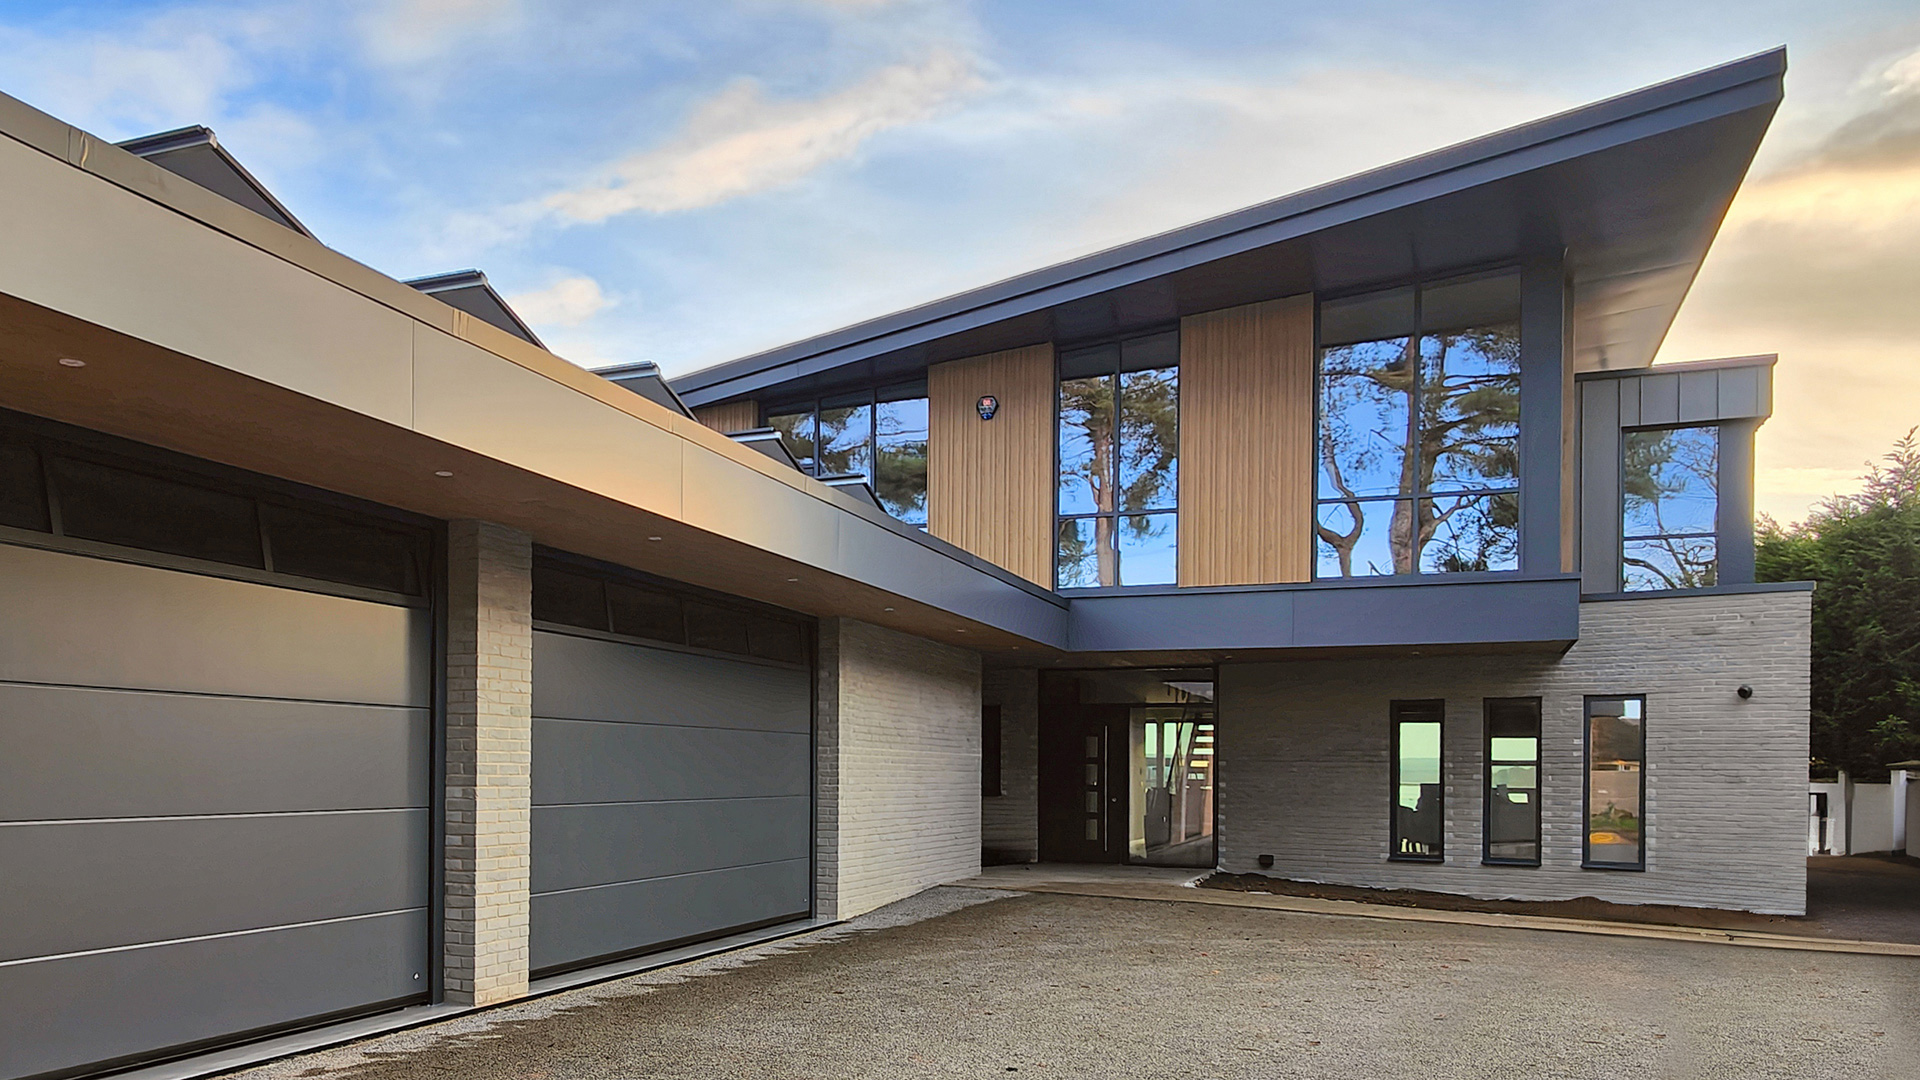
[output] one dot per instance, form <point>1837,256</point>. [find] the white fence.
<point>1845,818</point>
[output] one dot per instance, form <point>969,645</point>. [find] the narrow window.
<point>879,435</point>
<point>990,750</point>
<point>1616,783</point>
<point>1119,442</point>
<point>1513,781</point>
<point>1418,806</point>
<point>1670,506</point>
<point>900,458</point>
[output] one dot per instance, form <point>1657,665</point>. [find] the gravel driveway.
<point>968,983</point>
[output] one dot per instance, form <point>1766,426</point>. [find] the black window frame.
<point>1586,784</point>
<point>1431,710</point>
<point>872,398</point>
<point>1117,341</point>
<point>1620,511</point>
<point>1487,706</point>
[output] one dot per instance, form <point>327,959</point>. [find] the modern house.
<point>364,661</point>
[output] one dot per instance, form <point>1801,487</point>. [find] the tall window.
<point>882,437</point>
<point>1419,433</point>
<point>1418,805</point>
<point>1670,505</point>
<point>1512,828</point>
<point>1119,462</point>
<point>1616,783</point>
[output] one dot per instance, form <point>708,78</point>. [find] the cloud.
<point>402,32</point>
<point>569,301</point>
<point>174,69</point>
<point>741,142</point>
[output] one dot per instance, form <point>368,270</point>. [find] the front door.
<point>1083,754</point>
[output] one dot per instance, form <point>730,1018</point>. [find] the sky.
<point>688,182</point>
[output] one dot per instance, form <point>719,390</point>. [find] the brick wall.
<point>1304,757</point>
<point>897,771</point>
<point>1010,821</point>
<point>488,753</point>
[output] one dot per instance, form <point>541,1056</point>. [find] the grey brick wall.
<point>489,748</point>
<point>1010,821</point>
<point>1304,757</point>
<point>897,772</point>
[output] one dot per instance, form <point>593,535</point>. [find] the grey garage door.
<point>672,796</point>
<point>213,791</point>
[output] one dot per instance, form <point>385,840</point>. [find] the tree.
<point>1864,552</point>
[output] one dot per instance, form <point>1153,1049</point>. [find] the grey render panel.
<point>1426,611</point>
<point>73,886</point>
<point>78,1010</point>
<point>1699,396</point>
<point>98,622</point>
<point>79,752</point>
<point>572,927</point>
<point>1603,412</point>
<point>578,846</point>
<point>1544,356</point>
<point>1659,399</point>
<point>578,678</point>
<point>576,761</point>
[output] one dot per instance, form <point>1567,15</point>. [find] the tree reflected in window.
<point>1119,442</point>
<point>1670,505</point>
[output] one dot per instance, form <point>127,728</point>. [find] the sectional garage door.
<point>213,791</point>
<point>671,781</point>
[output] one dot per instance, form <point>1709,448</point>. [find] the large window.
<point>1419,810</point>
<point>882,437</point>
<point>1512,828</point>
<point>1670,505</point>
<point>1119,462</point>
<point>1419,430</point>
<point>1616,783</point>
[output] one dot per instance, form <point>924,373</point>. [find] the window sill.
<point>1431,859</point>
<point>1635,868</point>
<point>1510,862</point>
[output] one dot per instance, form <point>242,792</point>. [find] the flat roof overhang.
<point>1629,192</point>
<point>208,330</point>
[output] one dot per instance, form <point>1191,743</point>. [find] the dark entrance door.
<point>1083,752</point>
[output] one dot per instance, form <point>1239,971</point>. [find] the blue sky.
<point>690,182</point>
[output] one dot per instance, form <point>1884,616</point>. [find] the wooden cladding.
<point>729,417</point>
<point>1246,444</point>
<point>990,482</point>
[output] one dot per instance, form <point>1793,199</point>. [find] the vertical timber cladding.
<point>1246,444</point>
<point>990,482</point>
<point>730,417</point>
<point>672,767</point>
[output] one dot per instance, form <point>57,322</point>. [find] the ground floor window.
<point>1513,781</point>
<point>1418,812</point>
<point>1616,783</point>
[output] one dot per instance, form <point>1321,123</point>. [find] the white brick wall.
<point>1304,757</point>
<point>489,750</point>
<point>898,766</point>
<point>1010,821</point>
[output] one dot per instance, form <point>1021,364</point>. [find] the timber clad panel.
<point>990,482</point>
<point>1246,444</point>
<point>729,417</point>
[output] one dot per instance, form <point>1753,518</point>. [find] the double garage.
<point>220,741</point>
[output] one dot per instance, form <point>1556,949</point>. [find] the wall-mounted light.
<point>1745,692</point>
<point>68,361</point>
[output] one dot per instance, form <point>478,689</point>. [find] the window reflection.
<point>1118,464</point>
<point>1616,782</point>
<point>1419,397</point>
<point>881,436</point>
<point>1669,508</point>
<point>900,458</point>
<point>846,440</point>
<point>1418,811</point>
<point>1513,781</point>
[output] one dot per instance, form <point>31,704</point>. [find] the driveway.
<point>971,983</point>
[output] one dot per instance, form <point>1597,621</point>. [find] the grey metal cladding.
<point>75,1011</point>
<point>587,761</point>
<point>578,678</point>
<point>79,752</point>
<point>74,886</point>
<point>98,622</point>
<point>572,927</point>
<point>578,846</point>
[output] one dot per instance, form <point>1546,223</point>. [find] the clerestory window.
<point>880,436</point>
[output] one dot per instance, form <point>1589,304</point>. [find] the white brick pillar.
<point>489,747</point>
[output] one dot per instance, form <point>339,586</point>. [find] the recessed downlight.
<point>791,579</point>
<point>68,361</point>
<point>655,539</point>
<point>887,609</point>
<point>443,472</point>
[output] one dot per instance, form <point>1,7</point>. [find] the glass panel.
<point>1472,302</point>
<point>353,553</point>
<point>1367,318</point>
<point>1086,445</point>
<point>1357,539</point>
<point>568,599</point>
<point>1470,408</point>
<point>796,431</point>
<point>1149,439</point>
<point>900,466</point>
<point>645,613</point>
<point>1171,788</point>
<point>1155,351</point>
<point>717,628</point>
<point>1086,556</point>
<point>1463,533</point>
<point>23,499</point>
<point>777,639</point>
<point>1513,749</point>
<point>1674,562</point>
<point>1513,780</point>
<point>1129,686</point>
<point>1670,482</point>
<point>1147,549</point>
<point>1417,810</point>
<point>118,506</point>
<point>1616,755</point>
<point>846,441</point>
<point>1365,395</point>
<point>1086,363</point>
